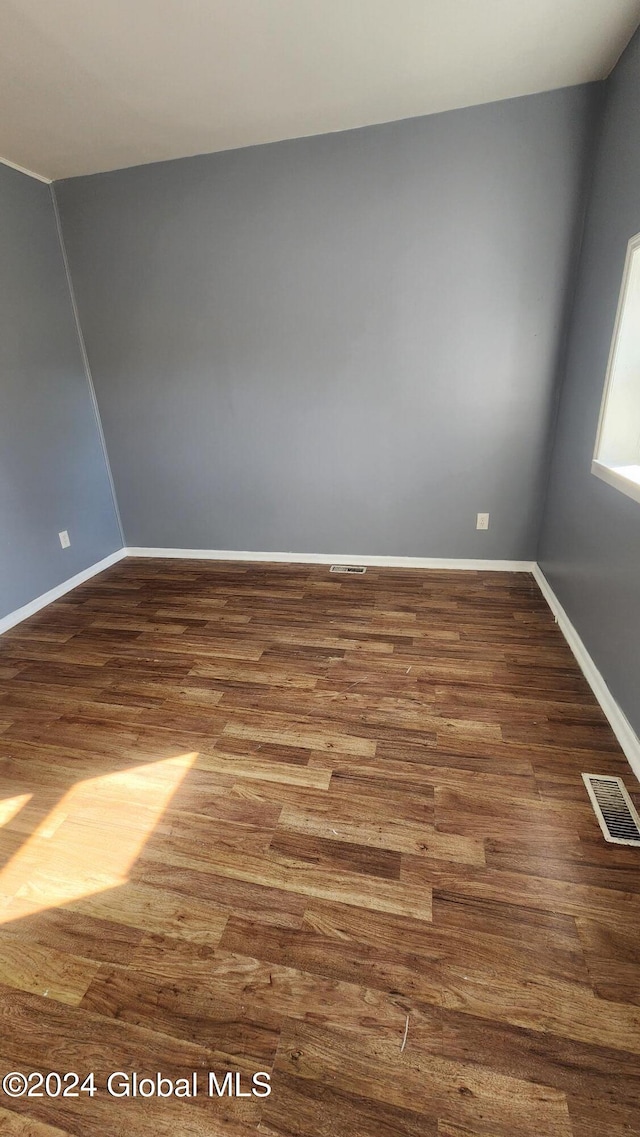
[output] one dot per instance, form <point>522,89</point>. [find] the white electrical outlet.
<point>64,539</point>
<point>482,521</point>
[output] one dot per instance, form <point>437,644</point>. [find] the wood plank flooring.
<point>259,818</point>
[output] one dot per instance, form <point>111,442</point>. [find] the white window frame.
<point>611,474</point>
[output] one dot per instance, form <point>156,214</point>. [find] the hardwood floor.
<point>259,818</point>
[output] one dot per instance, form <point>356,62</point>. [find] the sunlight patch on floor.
<point>90,839</point>
<point>12,806</point>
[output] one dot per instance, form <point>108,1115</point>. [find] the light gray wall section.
<point>346,343</point>
<point>52,469</point>
<point>590,542</point>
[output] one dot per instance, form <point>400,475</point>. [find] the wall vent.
<point>614,809</point>
<point>348,568</point>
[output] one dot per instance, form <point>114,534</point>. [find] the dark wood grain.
<point>258,817</point>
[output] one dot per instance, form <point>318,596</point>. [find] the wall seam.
<point>572,296</point>
<point>85,361</point>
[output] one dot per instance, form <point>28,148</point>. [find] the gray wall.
<point>52,469</point>
<point>590,543</point>
<point>346,343</point>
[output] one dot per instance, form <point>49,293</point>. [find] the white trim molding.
<point>24,170</point>
<point>335,559</point>
<point>620,725</point>
<point>614,460</point>
<point>34,606</point>
<point>615,476</point>
<point>622,729</point>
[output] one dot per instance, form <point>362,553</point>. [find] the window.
<point>616,457</point>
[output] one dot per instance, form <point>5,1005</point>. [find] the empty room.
<point>320,568</point>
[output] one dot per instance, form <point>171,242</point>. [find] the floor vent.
<point>614,809</point>
<point>347,568</point>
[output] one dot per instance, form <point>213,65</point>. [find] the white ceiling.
<point>89,85</point>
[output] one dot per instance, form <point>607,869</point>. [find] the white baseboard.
<point>624,732</point>
<point>620,725</point>
<point>34,606</point>
<point>335,559</point>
